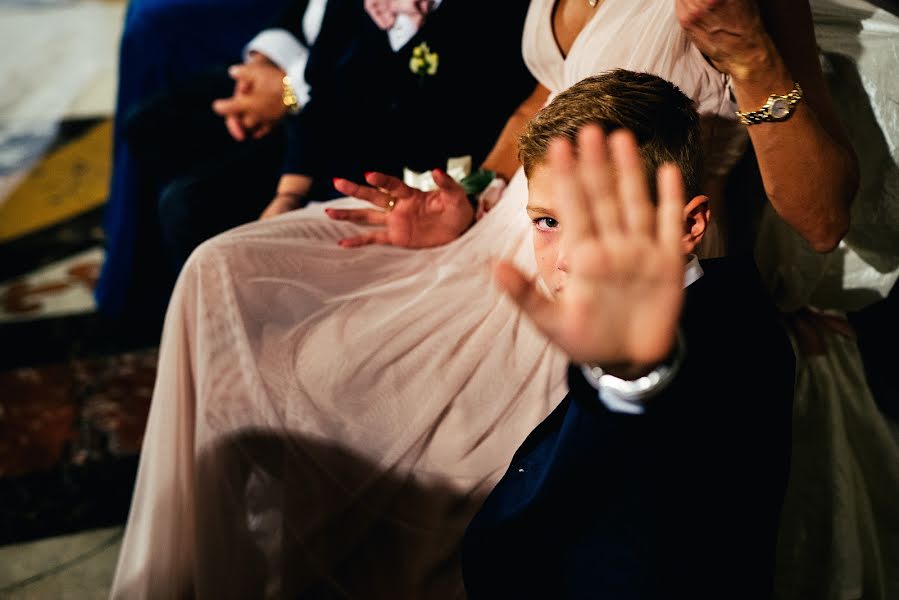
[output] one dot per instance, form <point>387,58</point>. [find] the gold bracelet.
<point>289,97</point>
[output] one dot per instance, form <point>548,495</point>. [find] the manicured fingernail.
<point>369,174</point>
<point>335,181</point>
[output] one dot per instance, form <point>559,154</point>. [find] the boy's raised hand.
<point>622,297</point>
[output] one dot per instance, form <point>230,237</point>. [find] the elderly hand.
<point>730,33</point>
<point>257,104</point>
<point>416,219</point>
<point>384,12</point>
<point>623,292</point>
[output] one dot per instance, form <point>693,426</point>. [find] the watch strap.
<point>763,115</point>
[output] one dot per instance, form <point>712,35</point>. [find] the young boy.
<point>662,473</point>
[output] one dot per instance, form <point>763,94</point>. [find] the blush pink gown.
<point>326,421</point>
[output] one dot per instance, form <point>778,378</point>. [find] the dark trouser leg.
<point>219,196</point>
<point>175,131</point>
<point>203,181</point>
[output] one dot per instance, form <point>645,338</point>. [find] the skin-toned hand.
<point>767,46</point>
<point>418,219</point>
<point>730,33</point>
<point>623,294</point>
<point>257,102</point>
<point>384,12</point>
<point>281,204</point>
<point>292,190</point>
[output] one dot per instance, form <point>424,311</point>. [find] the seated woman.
<point>164,44</point>
<point>390,386</point>
<point>210,172</point>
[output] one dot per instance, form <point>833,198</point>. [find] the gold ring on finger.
<point>391,203</point>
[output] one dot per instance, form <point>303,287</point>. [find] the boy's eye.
<point>546,224</point>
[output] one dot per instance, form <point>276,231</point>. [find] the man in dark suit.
<point>352,102</point>
<point>662,473</point>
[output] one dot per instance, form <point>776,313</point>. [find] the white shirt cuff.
<point>626,396</point>
<point>283,49</point>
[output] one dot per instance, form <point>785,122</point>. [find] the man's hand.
<point>416,220</point>
<point>257,103</point>
<point>292,191</point>
<point>729,32</point>
<point>621,301</point>
<point>281,204</point>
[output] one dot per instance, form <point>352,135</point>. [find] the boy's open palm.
<point>622,298</point>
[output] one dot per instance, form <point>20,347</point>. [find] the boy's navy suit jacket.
<point>682,501</point>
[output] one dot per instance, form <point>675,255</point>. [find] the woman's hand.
<point>416,219</point>
<point>767,46</point>
<point>622,295</point>
<point>730,33</point>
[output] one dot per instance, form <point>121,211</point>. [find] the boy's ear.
<point>696,221</point>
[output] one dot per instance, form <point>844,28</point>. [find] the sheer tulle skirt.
<point>316,405</point>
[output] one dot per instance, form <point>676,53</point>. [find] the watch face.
<point>780,108</point>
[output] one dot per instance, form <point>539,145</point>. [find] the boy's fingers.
<point>522,291</point>
<point>596,172</point>
<point>670,222</point>
<point>633,189</point>
<point>573,205</point>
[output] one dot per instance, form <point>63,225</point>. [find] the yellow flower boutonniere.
<point>424,62</point>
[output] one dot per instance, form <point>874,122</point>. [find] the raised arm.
<point>808,167</point>
<point>503,158</point>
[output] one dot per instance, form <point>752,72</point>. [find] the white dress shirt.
<point>282,48</point>
<point>620,395</point>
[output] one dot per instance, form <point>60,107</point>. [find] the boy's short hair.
<point>662,118</point>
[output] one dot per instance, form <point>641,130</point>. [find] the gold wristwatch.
<point>777,108</point>
<point>289,97</point>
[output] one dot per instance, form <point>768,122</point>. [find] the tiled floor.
<point>79,567</point>
<point>69,433</point>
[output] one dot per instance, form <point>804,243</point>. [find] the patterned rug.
<point>69,437</point>
<point>74,392</point>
